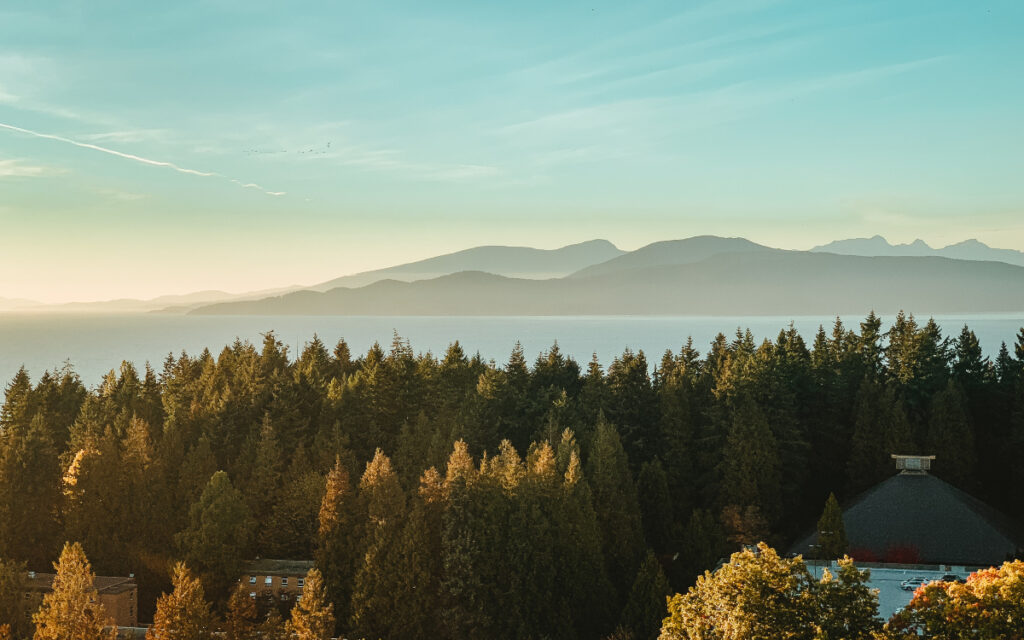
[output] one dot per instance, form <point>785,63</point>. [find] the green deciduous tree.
<point>989,606</point>
<point>757,594</point>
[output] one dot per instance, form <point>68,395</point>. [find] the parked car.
<point>911,584</point>
<point>952,577</point>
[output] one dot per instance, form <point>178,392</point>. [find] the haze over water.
<point>95,344</point>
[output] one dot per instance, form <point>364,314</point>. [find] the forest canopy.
<point>452,497</point>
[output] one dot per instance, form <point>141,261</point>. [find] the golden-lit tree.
<point>72,610</point>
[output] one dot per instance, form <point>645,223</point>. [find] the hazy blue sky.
<point>150,149</point>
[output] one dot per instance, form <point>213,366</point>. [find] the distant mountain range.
<point>513,262</point>
<point>879,246</point>
<point>13,304</point>
<point>704,275</point>
<point>701,275</point>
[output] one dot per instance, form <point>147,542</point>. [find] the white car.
<point>910,584</point>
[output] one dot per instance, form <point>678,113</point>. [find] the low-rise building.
<point>276,581</point>
<point>118,595</point>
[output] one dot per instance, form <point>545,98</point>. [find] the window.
<point>284,597</point>
<point>298,598</point>
<point>269,580</point>
<point>284,582</point>
<point>252,594</point>
<point>301,582</point>
<point>252,579</point>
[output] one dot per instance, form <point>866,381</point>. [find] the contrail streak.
<point>129,156</point>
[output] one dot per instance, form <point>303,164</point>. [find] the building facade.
<point>118,595</point>
<point>276,582</point>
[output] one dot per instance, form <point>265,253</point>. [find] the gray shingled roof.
<point>944,524</point>
<point>269,567</point>
<point>102,584</point>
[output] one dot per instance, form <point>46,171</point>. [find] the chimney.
<point>913,465</point>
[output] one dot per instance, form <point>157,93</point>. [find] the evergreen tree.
<point>645,608</point>
<point>71,610</point>
<point>632,407</point>
<point>183,614</point>
<point>655,505</point>
<point>242,619</point>
<point>589,593</point>
<point>880,430</point>
<point>14,607</point>
<point>372,595</point>
<point>831,531</point>
<point>313,615</point>
<point>219,534</point>
<point>338,540</point>
<point>29,490</point>
<point>950,436</point>
<point>421,563</point>
<point>617,508</point>
<point>750,460</point>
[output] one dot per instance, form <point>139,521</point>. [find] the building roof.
<point>941,523</point>
<point>268,567</point>
<point>105,585</point>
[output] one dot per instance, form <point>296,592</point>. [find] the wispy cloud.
<point>14,168</point>
<point>123,196</point>
<point>135,158</point>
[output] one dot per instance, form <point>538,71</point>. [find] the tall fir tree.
<point>617,508</point>
<point>339,537</point>
<point>313,615</point>
<point>832,540</point>
<point>219,535</point>
<point>71,610</point>
<point>372,595</point>
<point>184,613</point>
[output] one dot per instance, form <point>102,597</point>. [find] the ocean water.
<point>95,344</point>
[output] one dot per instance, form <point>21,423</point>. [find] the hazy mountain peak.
<point>971,249</point>
<point>509,261</point>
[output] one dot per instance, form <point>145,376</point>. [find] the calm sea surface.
<point>94,344</point>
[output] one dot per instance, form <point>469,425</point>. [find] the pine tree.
<point>372,595</point>
<point>242,619</point>
<point>313,615</point>
<point>420,567</point>
<point>14,607</point>
<point>617,508</point>
<point>831,531</point>
<point>579,557</point>
<point>750,461</point>
<point>655,505</point>
<point>339,540</point>
<point>950,436</point>
<point>183,614</point>
<point>645,608</point>
<point>219,535</point>
<point>29,491</point>
<point>71,610</point>
<point>632,407</point>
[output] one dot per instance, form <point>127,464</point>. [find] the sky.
<point>161,148</point>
